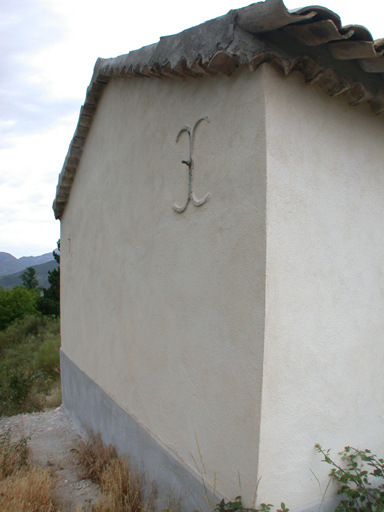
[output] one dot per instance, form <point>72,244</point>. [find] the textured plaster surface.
<point>324,337</point>
<point>165,311</point>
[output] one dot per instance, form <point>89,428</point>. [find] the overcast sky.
<point>48,49</point>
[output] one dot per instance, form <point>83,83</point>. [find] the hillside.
<point>9,281</point>
<point>10,265</point>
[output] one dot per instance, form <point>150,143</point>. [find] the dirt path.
<point>52,441</point>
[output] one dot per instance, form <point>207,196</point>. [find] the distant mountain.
<point>10,265</point>
<point>9,281</point>
<point>7,261</point>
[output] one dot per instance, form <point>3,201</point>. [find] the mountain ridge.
<point>10,280</point>
<point>9,264</point>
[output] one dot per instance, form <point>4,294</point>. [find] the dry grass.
<point>28,490</point>
<point>13,454</point>
<point>94,456</point>
<point>124,489</point>
<point>22,488</point>
<point>53,398</point>
<point>39,401</point>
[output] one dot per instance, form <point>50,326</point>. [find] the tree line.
<point>29,298</point>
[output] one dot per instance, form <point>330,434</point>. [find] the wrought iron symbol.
<point>190,164</point>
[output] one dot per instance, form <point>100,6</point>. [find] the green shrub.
<point>30,325</point>
<point>47,357</point>
<point>237,506</point>
<point>29,365</point>
<point>360,480</point>
<point>15,386</point>
<point>15,304</point>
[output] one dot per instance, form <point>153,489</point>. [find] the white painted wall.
<point>165,311</point>
<point>324,338</point>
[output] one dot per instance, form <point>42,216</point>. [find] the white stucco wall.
<point>165,311</point>
<point>324,338</point>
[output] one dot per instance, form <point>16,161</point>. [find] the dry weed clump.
<point>13,454</point>
<point>124,489</point>
<point>28,490</point>
<point>94,456</point>
<point>22,488</point>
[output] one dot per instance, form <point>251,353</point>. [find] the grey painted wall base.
<point>90,407</point>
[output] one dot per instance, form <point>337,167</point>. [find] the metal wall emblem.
<point>190,164</point>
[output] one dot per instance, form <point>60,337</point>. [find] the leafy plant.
<point>361,480</point>
<point>28,327</point>
<point>47,358</point>
<point>29,365</point>
<point>15,385</point>
<point>15,304</point>
<point>237,506</point>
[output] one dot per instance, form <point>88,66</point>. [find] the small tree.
<point>49,302</point>
<point>29,278</point>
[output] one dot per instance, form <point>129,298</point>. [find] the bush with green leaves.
<point>29,364</point>
<point>360,479</point>
<point>26,328</point>
<point>15,304</point>
<point>15,386</point>
<point>236,505</point>
<point>47,356</point>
